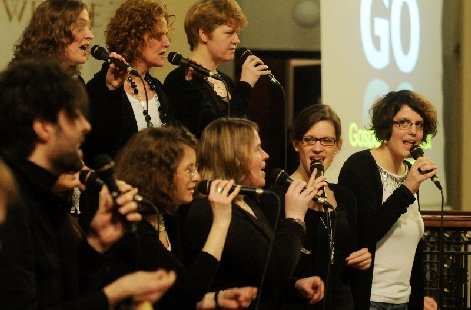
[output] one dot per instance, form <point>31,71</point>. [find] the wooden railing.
<point>450,283</point>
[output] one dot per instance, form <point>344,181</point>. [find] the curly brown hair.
<point>385,108</point>
<point>49,31</point>
<point>149,162</point>
<point>210,14</point>
<point>225,149</point>
<point>134,19</point>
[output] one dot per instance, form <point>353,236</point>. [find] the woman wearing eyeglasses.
<point>330,248</point>
<point>385,187</point>
<point>161,162</point>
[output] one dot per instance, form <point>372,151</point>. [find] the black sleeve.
<point>246,249</point>
<point>360,174</point>
<point>107,118</point>
<point>192,283</point>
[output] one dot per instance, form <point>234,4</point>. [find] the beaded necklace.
<point>145,109</point>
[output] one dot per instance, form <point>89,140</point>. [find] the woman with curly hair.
<point>161,162</point>
<point>212,29</point>
<point>139,32</point>
<point>386,188</point>
<point>60,30</point>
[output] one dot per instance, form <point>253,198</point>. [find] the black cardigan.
<point>361,175</point>
<point>112,118</point>
<point>196,104</point>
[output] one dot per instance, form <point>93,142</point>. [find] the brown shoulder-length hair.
<point>310,116</point>
<point>210,14</point>
<point>133,19</point>
<point>149,161</point>
<point>385,108</point>
<point>225,149</point>
<point>49,31</point>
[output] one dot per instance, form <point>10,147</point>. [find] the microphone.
<point>90,179</point>
<point>104,168</point>
<point>416,152</point>
<point>280,177</point>
<point>92,182</point>
<point>177,59</point>
<point>100,53</point>
<point>242,53</point>
<point>205,185</point>
<point>317,164</point>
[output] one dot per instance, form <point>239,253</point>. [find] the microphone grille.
<point>242,53</point>
<point>416,151</point>
<point>99,53</point>
<point>103,164</point>
<point>279,176</point>
<point>174,58</point>
<point>203,187</point>
<point>317,164</point>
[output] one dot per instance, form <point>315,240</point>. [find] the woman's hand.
<point>311,288</point>
<point>111,218</point>
<point>115,76</point>
<point>423,168</point>
<point>221,200</point>
<point>299,196</point>
<point>360,260</point>
<point>430,303</point>
<point>252,68</point>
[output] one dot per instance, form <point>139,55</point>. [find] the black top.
<point>360,174</point>
<point>247,244</point>
<point>315,256</point>
<point>144,251</point>
<point>112,117</point>
<point>196,104</point>
<point>44,262</point>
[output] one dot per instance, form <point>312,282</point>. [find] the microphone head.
<point>99,52</point>
<point>204,186</point>
<point>104,165</point>
<point>416,151</point>
<point>316,163</point>
<point>174,58</point>
<point>90,179</point>
<point>280,177</point>
<point>242,53</point>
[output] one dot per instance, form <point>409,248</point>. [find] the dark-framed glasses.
<point>326,141</point>
<point>405,124</point>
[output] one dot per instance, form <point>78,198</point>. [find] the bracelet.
<point>297,221</point>
<point>216,295</point>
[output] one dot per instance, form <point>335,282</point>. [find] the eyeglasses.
<point>191,172</point>
<point>310,140</point>
<point>405,124</point>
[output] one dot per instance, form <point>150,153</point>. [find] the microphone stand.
<point>330,236</point>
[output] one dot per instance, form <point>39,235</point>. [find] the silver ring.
<point>219,189</point>
<point>364,262</point>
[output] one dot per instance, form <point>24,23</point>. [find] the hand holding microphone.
<point>253,68</point>
<point>416,153</point>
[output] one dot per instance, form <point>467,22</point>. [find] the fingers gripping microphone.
<point>242,53</point>
<point>416,152</point>
<point>280,177</point>
<point>205,185</point>
<point>100,53</point>
<point>177,59</point>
